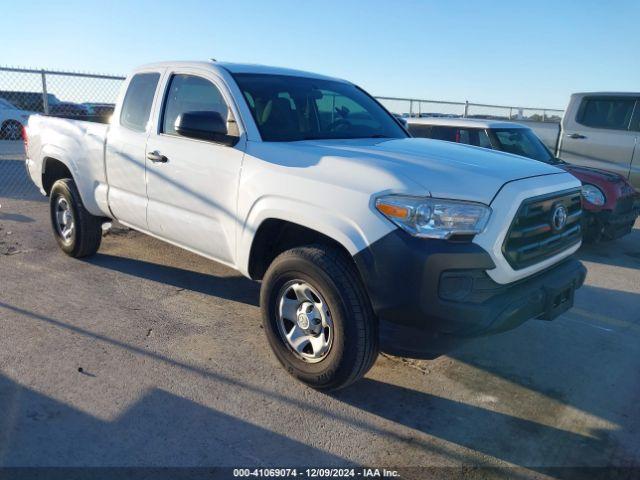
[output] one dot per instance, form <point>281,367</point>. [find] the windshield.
<point>523,142</point>
<point>289,108</point>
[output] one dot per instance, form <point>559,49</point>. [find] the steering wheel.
<point>339,122</point>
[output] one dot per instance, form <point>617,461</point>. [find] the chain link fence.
<point>24,92</point>
<point>414,107</point>
<point>92,97</point>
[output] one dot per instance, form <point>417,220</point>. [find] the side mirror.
<point>208,125</point>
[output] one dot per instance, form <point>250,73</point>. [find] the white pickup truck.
<point>363,237</point>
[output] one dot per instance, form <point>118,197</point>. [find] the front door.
<point>192,189</point>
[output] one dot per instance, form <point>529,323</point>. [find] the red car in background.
<point>609,202</point>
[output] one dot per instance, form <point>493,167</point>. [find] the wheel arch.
<point>56,165</point>
<point>272,216</point>
<point>276,235</point>
<point>53,170</point>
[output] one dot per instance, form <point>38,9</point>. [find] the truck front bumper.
<point>432,295</point>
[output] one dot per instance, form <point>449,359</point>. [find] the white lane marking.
<point>591,325</point>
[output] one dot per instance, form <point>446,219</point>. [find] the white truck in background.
<point>363,237</point>
<point>600,130</point>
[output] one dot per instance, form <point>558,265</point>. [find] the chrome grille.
<point>533,237</point>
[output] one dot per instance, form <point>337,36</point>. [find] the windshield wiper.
<point>379,135</point>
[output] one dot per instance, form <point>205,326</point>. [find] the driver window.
<point>188,93</point>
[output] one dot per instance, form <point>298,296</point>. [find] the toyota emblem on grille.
<point>559,217</point>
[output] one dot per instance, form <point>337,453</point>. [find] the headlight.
<point>434,217</point>
<point>593,194</point>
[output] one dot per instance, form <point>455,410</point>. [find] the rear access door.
<point>126,147</point>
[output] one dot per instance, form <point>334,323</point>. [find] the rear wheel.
<point>77,232</point>
<point>11,130</point>
<point>317,317</point>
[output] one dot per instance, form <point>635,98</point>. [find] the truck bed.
<point>80,145</point>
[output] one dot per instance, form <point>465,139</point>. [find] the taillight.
<point>25,139</point>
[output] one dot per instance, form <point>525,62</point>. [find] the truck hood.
<point>443,169</point>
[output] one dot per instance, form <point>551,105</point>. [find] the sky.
<point>526,53</point>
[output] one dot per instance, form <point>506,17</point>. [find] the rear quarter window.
<point>612,113</point>
<point>138,100</point>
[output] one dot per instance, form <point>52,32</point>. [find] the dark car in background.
<point>69,110</point>
<point>34,102</point>
<point>29,101</point>
<point>610,204</point>
<point>101,110</point>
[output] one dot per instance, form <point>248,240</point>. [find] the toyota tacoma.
<point>364,238</point>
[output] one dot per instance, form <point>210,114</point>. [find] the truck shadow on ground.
<point>236,288</point>
<point>15,217</point>
<point>159,429</point>
<point>534,375</point>
<point>492,433</point>
<point>624,252</point>
<point>580,361</point>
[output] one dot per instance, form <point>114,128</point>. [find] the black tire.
<point>11,130</point>
<point>330,272</point>
<point>86,234</point>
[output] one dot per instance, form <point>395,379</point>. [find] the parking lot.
<point>147,355</point>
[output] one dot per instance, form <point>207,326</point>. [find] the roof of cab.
<point>606,94</point>
<point>464,122</point>
<point>239,68</point>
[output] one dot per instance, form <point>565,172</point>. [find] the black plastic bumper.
<point>608,225</point>
<point>432,295</point>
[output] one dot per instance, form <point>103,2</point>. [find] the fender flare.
<point>342,229</point>
<point>50,151</point>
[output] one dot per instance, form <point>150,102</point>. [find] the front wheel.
<point>77,232</point>
<point>317,317</point>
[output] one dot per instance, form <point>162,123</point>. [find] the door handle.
<point>575,135</point>
<point>157,157</point>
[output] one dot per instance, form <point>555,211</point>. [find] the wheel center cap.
<point>303,321</point>
<point>305,315</point>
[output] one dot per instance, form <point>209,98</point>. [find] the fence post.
<point>466,109</point>
<point>45,97</point>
